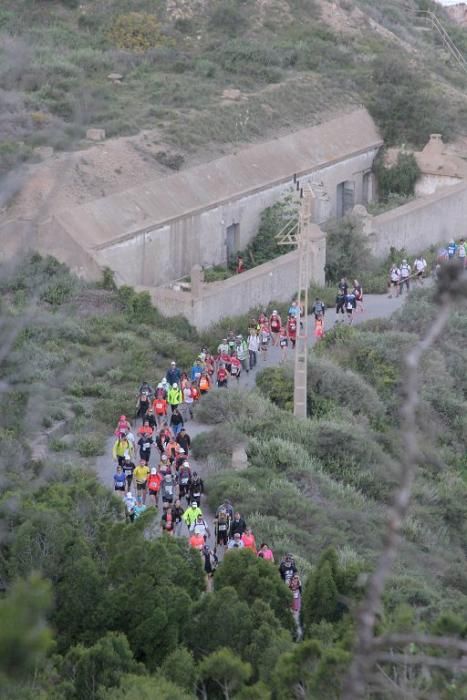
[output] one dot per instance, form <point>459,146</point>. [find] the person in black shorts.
<point>340,303</point>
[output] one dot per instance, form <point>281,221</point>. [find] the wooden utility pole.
<point>298,234</point>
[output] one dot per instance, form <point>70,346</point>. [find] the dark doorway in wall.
<point>345,198</point>
<point>232,241</point>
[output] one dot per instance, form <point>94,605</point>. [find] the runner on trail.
<point>235,542</point>
<point>119,480</point>
<point>122,448</point>
<point>350,306</point>
<point>241,351</point>
<point>222,526</point>
<point>140,476</point>
<point>201,527</point>
<point>264,337</point>
<point>283,344</point>
<point>130,503</point>
<point>174,396</point>
<point>318,309</point>
<point>168,488</point>
<point>145,429</point>
<point>266,553</point>
<point>358,291</point>
<point>151,419</point>
<point>176,421</point>
<point>210,562</point>
<point>238,525</point>
<point>173,375</point>
<point>227,506</point>
<point>196,370</point>
<point>419,266</point>
<point>188,401</point>
<point>248,540</point>
<point>123,426</point>
<point>340,304</point>
<point>145,445</point>
<point>287,568</point>
<point>140,507</point>
<point>275,324</point>
<point>128,468</point>
<point>223,347</point>
<point>154,484</point>
<point>196,488</point>
<point>253,347</point>
<point>204,383</point>
<point>405,276</point>
<point>452,249</point>
<point>235,366</point>
<point>294,310</point>
<point>184,440</point>
<point>394,280</point>
<point>197,541</point>
<point>462,252</point>
<point>344,285</point>
<point>184,480</point>
<point>319,328</point>
<point>167,523</point>
<point>222,377</point>
<point>159,406</point>
<point>295,586</point>
<point>162,439</point>
<point>177,517</point>
<point>292,329</point>
<point>191,514</point>
<point>143,401</point>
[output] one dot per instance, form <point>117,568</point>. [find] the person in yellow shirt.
<point>140,476</point>
<point>190,516</point>
<point>122,448</point>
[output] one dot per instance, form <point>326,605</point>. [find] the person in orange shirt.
<point>154,484</point>
<point>248,540</point>
<point>159,406</point>
<point>197,541</point>
<point>204,383</point>
<point>145,430</point>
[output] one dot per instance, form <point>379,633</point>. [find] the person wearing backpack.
<point>222,527</point>
<point>177,518</point>
<point>350,306</point>
<point>253,347</point>
<point>191,515</point>
<point>184,480</point>
<point>318,309</point>
<point>235,366</point>
<point>405,276</point>
<point>222,377</point>
<point>154,484</point>
<point>196,488</point>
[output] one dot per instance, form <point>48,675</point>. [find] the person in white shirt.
<point>419,267</point>
<point>394,280</point>
<point>253,347</point>
<point>405,276</point>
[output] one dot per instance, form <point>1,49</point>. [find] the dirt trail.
<point>376,306</point>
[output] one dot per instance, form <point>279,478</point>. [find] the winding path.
<point>376,306</point>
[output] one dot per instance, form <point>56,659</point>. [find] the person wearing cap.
<point>119,480</point>
<point>184,440</point>
<point>210,562</point>
<point>197,541</point>
<point>176,421</point>
<point>174,396</point>
<point>130,503</point>
<point>235,366</point>
<point>287,568</point>
<point>173,375</point>
<point>236,542</point>
<point>191,514</point>
<point>275,324</point>
<point>128,468</point>
<point>223,347</point>
<point>154,484</point>
<point>184,479</point>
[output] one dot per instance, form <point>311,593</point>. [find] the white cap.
<point>174,385</point>
<point>274,312</point>
<point>186,464</point>
<point>129,495</point>
<point>181,450</point>
<point>154,470</point>
<point>173,363</point>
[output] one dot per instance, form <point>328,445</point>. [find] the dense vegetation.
<point>176,59</point>
<point>95,608</point>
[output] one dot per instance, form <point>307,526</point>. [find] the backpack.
<point>349,304</point>
<point>318,308</point>
<point>222,521</point>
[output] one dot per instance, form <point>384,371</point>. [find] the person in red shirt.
<point>235,366</point>
<point>159,406</point>
<point>154,484</point>
<point>197,541</point>
<point>240,265</point>
<point>145,430</point>
<point>204,383</point>
<point>222,376</point>
<point>249,541</point>
<point>292,329</point>
<point>275,324</point>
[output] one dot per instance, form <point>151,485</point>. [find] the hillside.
<point>94,608</point>
<point>199,77</point>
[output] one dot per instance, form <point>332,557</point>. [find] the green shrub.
<point>347,250</point>
<point>91,445</point>
<point>400,179</point>
<point>135,31</point>
<point>227,16</point>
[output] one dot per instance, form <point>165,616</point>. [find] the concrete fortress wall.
<point>421,223</point>
<point>161,255</point>
<point>273,281</point>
